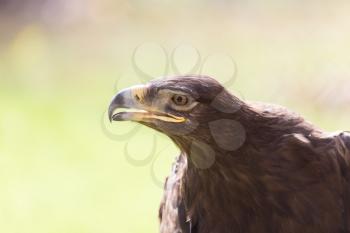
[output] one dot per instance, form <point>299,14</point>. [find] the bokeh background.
<point>62,167</point>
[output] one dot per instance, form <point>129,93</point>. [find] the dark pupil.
<point>180,100</point>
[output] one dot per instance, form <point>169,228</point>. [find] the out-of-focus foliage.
<point>61,62</point>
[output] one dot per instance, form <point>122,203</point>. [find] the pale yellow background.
<point>61,62</point>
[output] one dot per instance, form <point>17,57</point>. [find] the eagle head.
<point>183,107</point>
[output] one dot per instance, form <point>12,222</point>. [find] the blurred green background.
<point>63,170</point>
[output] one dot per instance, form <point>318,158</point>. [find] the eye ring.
<point>180,100</point>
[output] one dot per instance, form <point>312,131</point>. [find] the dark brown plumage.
<point>244,167</point>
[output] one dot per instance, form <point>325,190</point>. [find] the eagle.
<point>244,167</point>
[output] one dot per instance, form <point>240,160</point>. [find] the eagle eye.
<point>180,100</point>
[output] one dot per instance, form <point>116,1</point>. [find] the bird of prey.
<point>244,167</point>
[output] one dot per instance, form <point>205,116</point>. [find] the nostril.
<point>137,97</point>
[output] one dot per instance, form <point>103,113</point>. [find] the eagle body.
<point>299,182</point>
<point>244,167</point>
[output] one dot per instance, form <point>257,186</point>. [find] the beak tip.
<point>117,101</point>
<point>110,114</point>
<point>123,99</point>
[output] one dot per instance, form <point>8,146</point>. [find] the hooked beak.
<point>133,98</point>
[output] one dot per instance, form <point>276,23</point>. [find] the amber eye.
<point>180,100</point>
